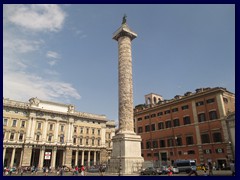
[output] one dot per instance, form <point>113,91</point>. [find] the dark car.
<point>150,171</point>
<point>93,169</point>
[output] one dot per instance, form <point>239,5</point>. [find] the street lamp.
<point>152,156</point>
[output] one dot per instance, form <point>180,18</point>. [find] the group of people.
<point>79,170</point>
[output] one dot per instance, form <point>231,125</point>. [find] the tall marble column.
<point>82,162</point>
<point>4,153</point>
<point>126,156</point>
<point>13,157</point>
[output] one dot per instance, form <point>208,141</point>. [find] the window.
<point>86,141</point>
<point>178,141</point>
<point>148,144</point>
<point>23,124</point>
<point>109,144</point>
<point>5,122</point>
<point>62,128</point>
<point>205,138</point>
<point>20,137</point>
<point>93,131</point>
<point>140,130</point>
<point>49,138</point>
<point>200,103</point>
<point>176,122</point>
<point>219,150</point>
<point>162,143</point>
<point>160,114</point>
<point>146,117</point>
<point>168,124</point>
<point>170,142</point>
<point>153,127</point>
<point>213,115</point>
<point>153,115</point>
<point>147,128</point>
<point>184,107</point>
<point>51,127</point>
<point>186,120</point>
<point>191,152</point>
<point>74,140</point>
<point>75,129</point>
<point>99,142</point>
<point>61,138</point>
<point>155,144</point>
<point>210,100</point>
<point>217,137</point>
<point>201,117</point>
<point>87,131</point>
<point>81,130</point>
<point>161,125</point>
<point>189,140</point>
<point>207,151</point>
<point>14,123</point>
<point>139,119</point>
<point>80,141</point>
<point>39,125</point>
<point>11,136</point>
<point>37,137</point>
<point>225,100</point>
<point>175,110</point>
<point>93,142</point>
<point>98,131</point>
<point>167,112</point>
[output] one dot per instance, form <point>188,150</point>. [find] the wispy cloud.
<point>38,17</point>
<point>53,56</point>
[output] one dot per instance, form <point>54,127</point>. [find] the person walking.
<point>232,166</point>
<point>82,170</point>
<point>193,171</point>
<point>210,169</point>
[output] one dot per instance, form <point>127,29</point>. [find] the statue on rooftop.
<point>124,20</point>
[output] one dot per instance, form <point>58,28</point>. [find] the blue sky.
<point>65,53</point>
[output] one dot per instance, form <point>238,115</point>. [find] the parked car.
<point>150,171</point>
<point>93,169</point>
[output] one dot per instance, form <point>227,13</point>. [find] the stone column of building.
<point>88,161</point>
<point>82,161</point>
<point>4,153</point>
<point>68,160</point>
<point>29,127</point>
<point>33,129</point>
<point>27,154</point>
<point>56,133</point>
<point>126,155</point>
<point>76,158</point>
<point>64,158</point>
<point>20,162</point>
<point>13,156</point>
<point>44,135</point>
<point>41,157</point>
<point>53,161</point>
<point>94,158</point>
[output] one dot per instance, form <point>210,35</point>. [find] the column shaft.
<point>13,156</point>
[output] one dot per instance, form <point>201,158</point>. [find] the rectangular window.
<point>170,142</point>
<point>39,125</point>
<point>86,141</point>
<point>210,100</point>
<point>23,124</point>
<point>62,128</point>
<point>191,152</point>
<point>37,137</point>
<point>74,140</point>
<point>147,128</point>
<point>11,136</point>
<point>153,127</point>
<point>93,131</point>
<point>162,143</point>
<point>217,137</point>
<point>75,129</point>
<point>148,144</point>
<point>189,140</point>
<point>49,138</point>
<point>184,107</point>
<point>155,144</point>
<point>146,117</point>
<point>139,119</point>
<point>160,114</point>
<point>200,103</point>
<point>61,138</point>
<point>87,131</point>
<point>175,110</point>
<point>98,131</point>
<point>186,120</point>
<point>201,117</point>
<point>20,137</point>
<point>168,124</point>
<point>140,130</point>
<point>167,112</point>
<point>51,127</point>
<point>99,142</point>
<point>161,125</point>
<point>176,122</point>
<point>219,150</point>
<point>14,123</point>
<point>207,151</point>
<point>178,141</point>
<point>213,115</point>
<point>93,142</point>
<point>80,141</point>
<point>5,121</point>
<point>81,131</point>
<point>205,138</point>
<point>153,115</point>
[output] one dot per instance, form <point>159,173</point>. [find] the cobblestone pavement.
<point>200,173</point>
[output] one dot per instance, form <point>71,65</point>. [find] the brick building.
<point>192,126</point>
<point>43,133</point>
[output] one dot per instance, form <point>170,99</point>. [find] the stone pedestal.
<point>126,155</point>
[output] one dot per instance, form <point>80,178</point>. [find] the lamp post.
<point>152,156</point>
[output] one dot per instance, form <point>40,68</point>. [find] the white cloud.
<point>53,57</point>
<point>38,17</point>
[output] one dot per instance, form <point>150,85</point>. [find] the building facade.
<point>42,133</point>
<point>199,126</point>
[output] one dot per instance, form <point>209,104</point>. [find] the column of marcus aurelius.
<point>126,155</point>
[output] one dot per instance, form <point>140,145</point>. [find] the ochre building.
<point>198,126</point>
<point>42,133</point>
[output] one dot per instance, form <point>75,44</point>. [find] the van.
<point>185,165</point>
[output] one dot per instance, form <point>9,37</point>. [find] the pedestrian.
<point>82,170</point>
<point>170,171</point>
<point>232,166</point>
<point>21,171</point>
<point>210,168</point>
<point>101,170</point>
<point>61,171</point>
<point>193,171</point>
<point>76,170</point>
<point>223,166</point>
